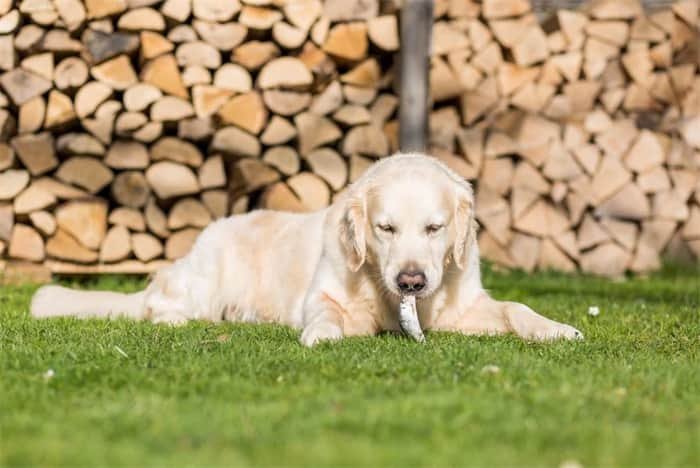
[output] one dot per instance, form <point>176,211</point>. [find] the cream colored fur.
<point>331,273</point>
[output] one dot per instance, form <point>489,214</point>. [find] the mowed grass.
<point>136,394</point>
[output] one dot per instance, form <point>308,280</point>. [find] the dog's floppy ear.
<point>465,225</point>
<point>352,233</point>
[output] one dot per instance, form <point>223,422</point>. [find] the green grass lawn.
<point>137,394</point>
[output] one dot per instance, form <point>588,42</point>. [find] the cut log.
<point>154,44</point>
<point>254,54</point>
<point>504,8</point>
<point>614,32</point>
<point>215,10</point>
<point>590,233</point>
<point>234,78</point>
<point>188,212</point>
<point>278,131</point>
<point>198,53</point>
<point>116,245</point>
<point>171,108</point>
<point>149,132</point>
<point>645,154</point>
<point>102,46</point>
<point>155,220</point>
<point>142,18</point>
<point>32,199</point>
<point>90,96</point>
<point>246,111</point>
<point>85,172</point>
<point>328,165</point>
<point>383,32</point>
<point>224,37</point>
<point>328,100</point>
<point>31,115</point>
<point>314,131</point>
<point>177,150</point>
<point>347,41</point>
<point>195,129</point>
<point>216,201</point>
<point>619,9</point>
<point>627,203</point>
<point>125,154</point>
<point>103,8</point>
<point>525,251</point>
<point>531,47</point>
<point>279,197</point>
<point>70,73</point>
<point>492,250</point>
<point>359,95</point>
<point>12,182</point>
<point>85,220</point>
<point>366,140</point>
<point>36,152</point>
<point>285,72</point>
<point>178,10</point>
<point>7,156</point>
<point>303,14</point>
<point>59,189</point>
<point>22,85</point>
<point>7,53</point>
<point>130,218</point>
<point>351,115</point>
<point>162,72</point>
<point>44,222</point>
<point>288,36</point>
<point>622,232</point>
<point>146,247</point>
<point>64,246</point>
<point>195,75</point>
<point>552,258</point>
<point>129,122</point>
<point>212,173</point>
<point>606,260</point>
<point>131,189</point>
<point>7,221</point>
<point>446,38</point>
<point>180,243</point>
<point>40,64</point>
<point>236,142</point>
<point>249,175</point>
<point>286,103</point>
<point>169,179</point>
<point>259,18</point>
<point>670,205</point>
<point>542,220</point>
<point>26,244</point>
<point>313,193</point>
<point>116,73</point>
<point>283,158</point>
<point>59,110</point>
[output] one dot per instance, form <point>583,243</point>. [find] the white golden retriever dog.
<point>406,227</point>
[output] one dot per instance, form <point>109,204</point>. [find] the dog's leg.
<point>490,317</point>
<point>323,320</point>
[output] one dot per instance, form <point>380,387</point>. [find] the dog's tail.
<point>57,301</point>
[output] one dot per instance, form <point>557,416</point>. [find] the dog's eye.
<point>433,228</point>
<point>388,228</point>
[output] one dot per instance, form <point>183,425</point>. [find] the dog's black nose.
<point>411,281</point>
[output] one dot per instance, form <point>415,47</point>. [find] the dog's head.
<point>407,218</point>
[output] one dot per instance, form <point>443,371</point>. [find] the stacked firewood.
<point>127,126</point>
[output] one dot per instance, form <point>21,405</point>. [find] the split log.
<point>156,220</point>
<point>188,212</point>
<point>313,193</point>
<point>254,54</point>
<point>177,150</point>
<point>224,37</point>
<point>141,18</point>
<point>85,172</point>
<point>130,218</point>
<point>236,142</point>
<point>36,152</point>
<point>65,247</point>
<point>12,182</point>
<point>217,202</point>
<point>208,100</point>
<point>169,179</point>
<point>234,78</point>
<point>347,41</point>
<point>314,131</point>
<point>328,165</point>
<point>278,131</point>
<point>31,115</point>
<point>32,199</point>
<point>283,158</point>
<point>163,73</point>
<point>59,110</point>
<point>40,64</point>
<point>146,247</point>
<point>246,111</point>
<point>90,96</point>
<point>179,243</point>
<point>26,244</point>
<point>116,245</point>
<point>85,220</point>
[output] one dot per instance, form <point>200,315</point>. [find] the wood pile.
<point>127,126</point>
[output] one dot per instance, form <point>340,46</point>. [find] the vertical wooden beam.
<point>416,29</point>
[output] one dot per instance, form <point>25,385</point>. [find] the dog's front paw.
<point>557,331</point>
<point>320,331</point>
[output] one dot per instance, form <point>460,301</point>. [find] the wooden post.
<point>416,25</point>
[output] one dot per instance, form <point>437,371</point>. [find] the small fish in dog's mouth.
<point>408,318</point>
